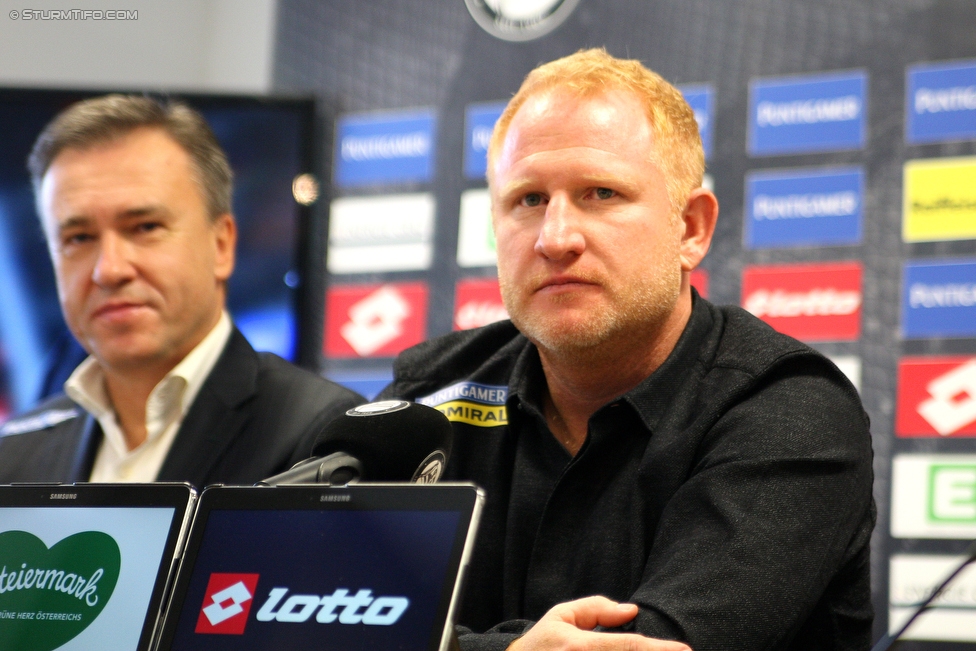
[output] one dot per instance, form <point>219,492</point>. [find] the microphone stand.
<point>887,640</point>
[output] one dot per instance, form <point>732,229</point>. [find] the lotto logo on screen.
<point>936,396</point>
<point>226,603</point>
<point>815,302</point>
<point>374,320</point>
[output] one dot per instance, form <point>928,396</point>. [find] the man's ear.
<point>225,244</point>
<point>698,221</point>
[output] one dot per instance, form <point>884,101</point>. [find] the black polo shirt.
<point>728,495</point>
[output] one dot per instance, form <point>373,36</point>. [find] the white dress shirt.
<point>165,409</point>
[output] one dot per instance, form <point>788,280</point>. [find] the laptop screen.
<point>376,571</point>
<point>83,577</point>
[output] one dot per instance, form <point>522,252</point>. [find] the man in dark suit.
<point>135,200</point>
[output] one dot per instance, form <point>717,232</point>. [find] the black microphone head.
<point>395,440</point>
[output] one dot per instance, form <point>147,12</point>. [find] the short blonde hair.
<point>677,147</point>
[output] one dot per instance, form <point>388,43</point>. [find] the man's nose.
<point>560,234</point>
<point>114,265</point>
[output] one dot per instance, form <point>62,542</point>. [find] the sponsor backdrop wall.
<point>841,141</point>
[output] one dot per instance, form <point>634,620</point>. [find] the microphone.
<point>391,440</point>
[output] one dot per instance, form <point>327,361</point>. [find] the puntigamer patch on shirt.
<point>481,405</point>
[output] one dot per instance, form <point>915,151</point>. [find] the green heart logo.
<point>49,596</point>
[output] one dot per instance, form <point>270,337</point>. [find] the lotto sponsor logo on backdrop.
<point>810,207</point>
<point>795,115</point>
<point>701,99</point>
<point>936,397</point>
<point>374,320</point>
<point>939,299</point>
<point>377,148</point>
<point>933,496</point>
<point>479,122</point>
<point>812,302</point>
<point>940,102</point>
<point>477,302</point>
<point>383,233</point>
<point>939,199</point>
<point>912,578</point>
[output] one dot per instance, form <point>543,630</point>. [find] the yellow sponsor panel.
<point>474,413</point>
<point>939,200</point>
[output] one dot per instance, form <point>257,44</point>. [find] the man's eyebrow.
<point>625,183</point>
<point>73,222</point>
<point>143,211</point>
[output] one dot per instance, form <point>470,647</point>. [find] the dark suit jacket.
<point>255,416</point>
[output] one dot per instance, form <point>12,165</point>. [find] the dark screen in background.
<point>267,142</point>
<point>392,553</point>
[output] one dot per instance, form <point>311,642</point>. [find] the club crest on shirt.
<point>481,405</point>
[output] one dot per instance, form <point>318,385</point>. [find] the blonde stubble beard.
<point>602,334</point>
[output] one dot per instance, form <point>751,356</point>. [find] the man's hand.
<point>569,627</point>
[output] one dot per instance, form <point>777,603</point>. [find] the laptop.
<point>84,567</point>
<point>366,566</point>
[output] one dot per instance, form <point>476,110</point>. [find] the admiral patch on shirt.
<point>481,405</point>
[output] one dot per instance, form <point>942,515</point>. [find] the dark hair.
<point>103,119</point>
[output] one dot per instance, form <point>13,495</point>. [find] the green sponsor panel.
<point>952,493</point>
<point>49,596</point>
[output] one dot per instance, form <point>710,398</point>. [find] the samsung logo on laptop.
<point>807,114</point>
<point>804,207</point>
<point>385,148</point>
<point>939,299</point>
<point>940,102</point>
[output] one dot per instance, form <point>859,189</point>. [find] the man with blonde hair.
<point>660,472</point>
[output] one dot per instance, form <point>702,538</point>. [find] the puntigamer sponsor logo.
<point>49,596</point>
<point>810,111</point>
<point>805,114</point>
<point>941,102</point>
<point>804,207</point>
<point>939,299</point>
<point>376,148</point>
<point>481,405</point>
<point>407,145</point>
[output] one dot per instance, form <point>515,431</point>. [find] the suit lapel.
<point>86,449</point>
<point>217,416</point>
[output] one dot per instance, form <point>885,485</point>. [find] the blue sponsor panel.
<point>805,207</point>
<point>701,98</point>
<point>939,299</point>
<point>940,102</point>
<point>479,121</point>
<point>799,115</point>
<point>385,148</point>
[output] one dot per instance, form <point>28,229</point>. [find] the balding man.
<point>660,471</point>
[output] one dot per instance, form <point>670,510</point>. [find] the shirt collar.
<point>175,392</point>
<point>651,397</point>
